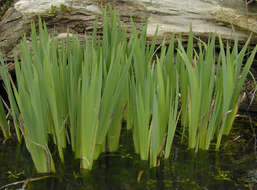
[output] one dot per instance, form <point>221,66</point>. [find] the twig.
<point>251,125</point>
<point>25,182</point>
<point>140,175</point>
<point>254,133</point>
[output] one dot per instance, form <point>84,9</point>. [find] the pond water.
<point>235,167</point>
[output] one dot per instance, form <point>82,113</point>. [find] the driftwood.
<point>78,20</point>
<point>170,17</point>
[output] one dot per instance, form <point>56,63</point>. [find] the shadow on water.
<point>234,167</point>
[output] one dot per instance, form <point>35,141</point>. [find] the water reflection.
<point>234,168</point>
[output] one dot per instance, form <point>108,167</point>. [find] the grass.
<point>78,95</point>
<point>3,122</point>
<point>213,90</point>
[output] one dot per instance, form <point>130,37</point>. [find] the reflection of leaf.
<point>252,176</point>
<point>76,175</point>
<point>223,175</point>
<point>128,156</point>
<point>14,174</point>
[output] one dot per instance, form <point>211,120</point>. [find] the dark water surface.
<point>230,169</point>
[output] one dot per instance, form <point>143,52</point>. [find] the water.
<point>232,168</point>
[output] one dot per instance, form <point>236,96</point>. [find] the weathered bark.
<point>78,20</point>
<point>169,17</point>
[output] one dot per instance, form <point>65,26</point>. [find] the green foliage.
<point>213,90</point>
<point>13,105</point>
<point>3,122</point>
<point>4,6</point>
<point>55,9</point>
<point>79,95</point>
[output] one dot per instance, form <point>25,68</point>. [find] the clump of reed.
<point>77,95</point>
<point>211,91</point>
<point>153,99</point>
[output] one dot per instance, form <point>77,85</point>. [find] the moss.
<point>64,7</point>
<point>61,8</point>
<point>52,10</point>
<point>4,6</point>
